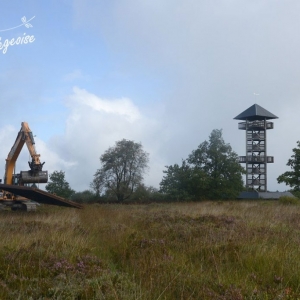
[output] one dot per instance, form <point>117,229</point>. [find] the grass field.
<point>206,250</point>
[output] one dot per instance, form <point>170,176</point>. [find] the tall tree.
<point>122,169</point>
<point>211,171</point>
<point>292,178</point>
<point>59,185</point>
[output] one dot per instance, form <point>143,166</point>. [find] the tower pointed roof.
<point>255,112</point>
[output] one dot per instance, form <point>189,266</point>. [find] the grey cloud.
<point>213,55</point>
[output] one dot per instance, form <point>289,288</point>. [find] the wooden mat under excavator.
<point>38,195</point>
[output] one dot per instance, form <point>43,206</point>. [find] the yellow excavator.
<point>35,174</point>
<point>19,188</point>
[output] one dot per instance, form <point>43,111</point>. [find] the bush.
<point>84,197</point>
<point>146,194</point>
<point>287,200</point>
<point>296,194</point>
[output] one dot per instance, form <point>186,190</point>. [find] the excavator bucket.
<point>38,195</point>
<point>39,177</point>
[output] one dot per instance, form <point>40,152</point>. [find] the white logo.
<point>20,40</point>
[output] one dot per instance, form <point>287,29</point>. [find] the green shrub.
<point>287,200</point>
<point>86,196</point>
<point>296,194</point>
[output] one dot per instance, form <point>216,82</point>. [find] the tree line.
<point>212,171</point>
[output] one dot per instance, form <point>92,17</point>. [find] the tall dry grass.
<point>206,250</point>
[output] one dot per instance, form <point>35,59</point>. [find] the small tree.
<point>221,164</point>
<point>122,169</point>
<point>183,182</point>
<point>292,178</point>
<point>59,185</point>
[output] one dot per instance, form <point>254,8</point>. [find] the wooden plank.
<point>38,195</point>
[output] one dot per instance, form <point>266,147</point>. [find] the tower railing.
<point>256,159</point>
<point>255,124</point>
<point>255,135</point>
<point>256,147</point>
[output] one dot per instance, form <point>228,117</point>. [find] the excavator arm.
<point>35,165</point>
<point>35,173</point>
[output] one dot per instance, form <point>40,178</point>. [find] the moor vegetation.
<point>206,250</point>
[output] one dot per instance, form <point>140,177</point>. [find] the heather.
<point>197,250</point>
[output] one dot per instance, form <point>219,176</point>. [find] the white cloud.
<point>93,125</point>
<point>123,107</point>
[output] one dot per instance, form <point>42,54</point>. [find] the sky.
<point>161,73</point>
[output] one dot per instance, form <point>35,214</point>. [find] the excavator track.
<point>38,195</point>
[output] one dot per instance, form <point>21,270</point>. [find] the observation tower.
<point>256,125</point>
